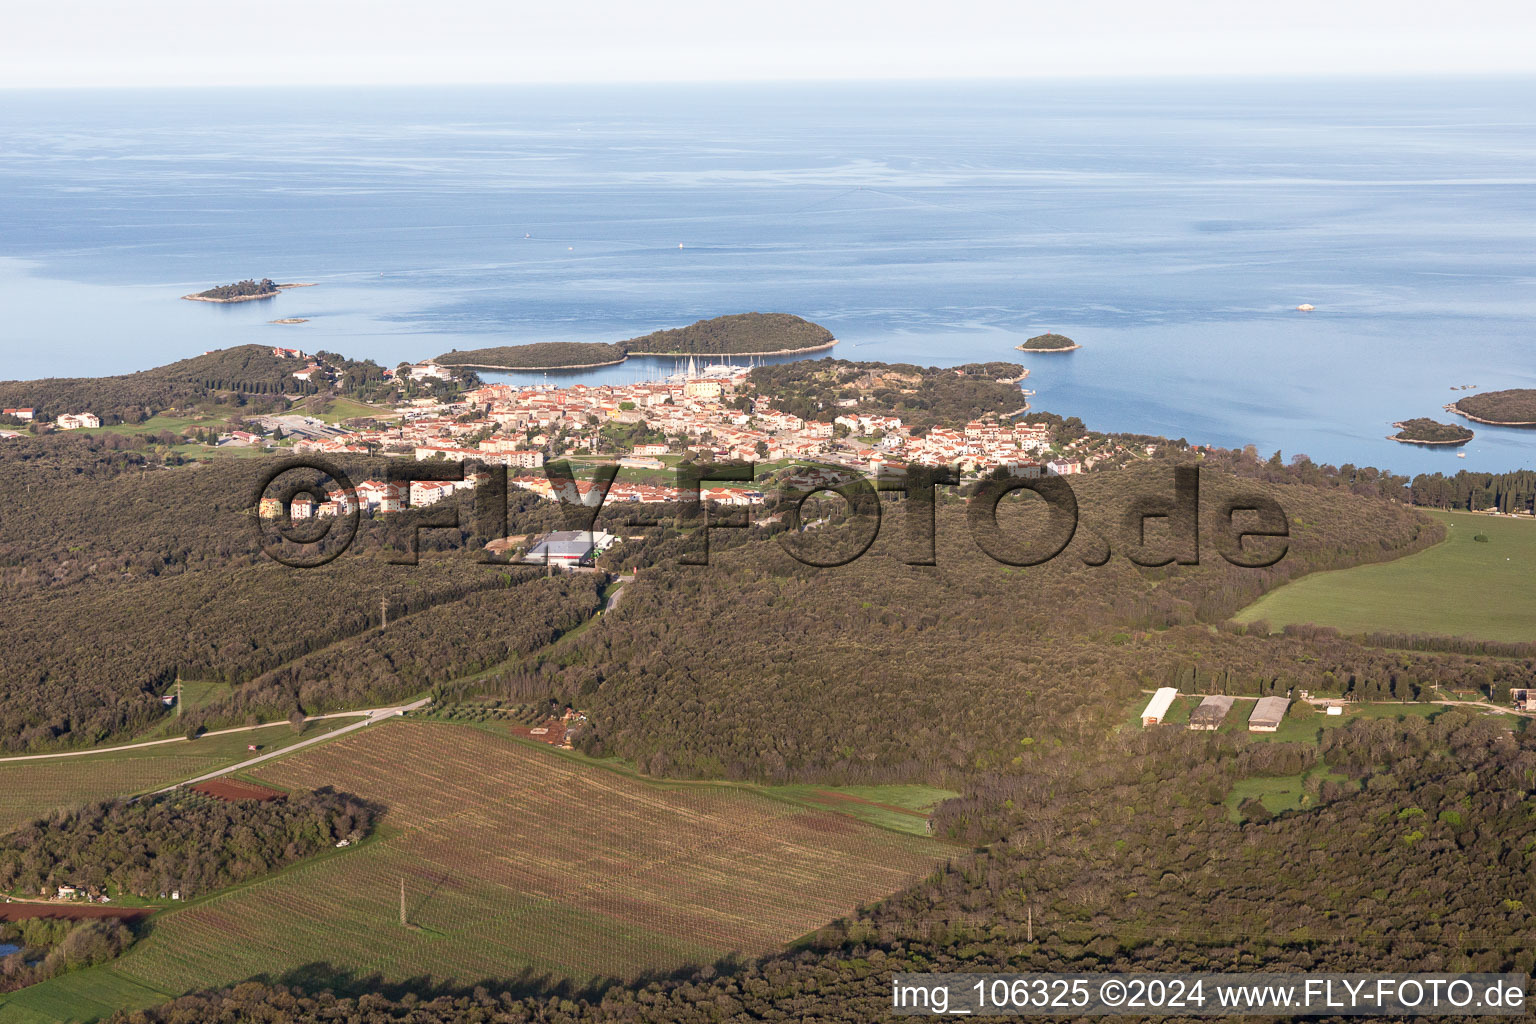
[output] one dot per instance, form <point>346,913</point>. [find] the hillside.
<point>740,334</point>
<point>544,355</point>
<point>245,369</point>
<point>1516,407</point>
<point>790,695</point>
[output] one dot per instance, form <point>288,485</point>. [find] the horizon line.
<point>946,79</point>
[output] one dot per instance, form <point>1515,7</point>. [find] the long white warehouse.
<point>1158,706</point>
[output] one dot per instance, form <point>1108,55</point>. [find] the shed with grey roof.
<point>1267,714</point>
<point>1209,714</point>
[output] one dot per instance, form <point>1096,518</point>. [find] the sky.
<point>75,43</point>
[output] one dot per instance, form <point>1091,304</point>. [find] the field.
<point>1462,587</point>
<point>30,789</point>
<point>521,863</point>
<point>1276,793</point>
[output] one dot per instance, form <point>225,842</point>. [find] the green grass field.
<point>30,789</point>
<point>517,859</point>
<point>1276,793</point>
<point>1462,587</point>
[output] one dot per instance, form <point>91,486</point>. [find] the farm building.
<point>1267,714</point>
<point>1158,706</point>
<point>1209,714</point>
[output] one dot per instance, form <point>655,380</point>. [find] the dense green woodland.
<point>536,355</point>
<point>179,841</point>
<point>1427,431</point>
<point>133,397</point>
<point>1049,342</point>
<point>249,288</point>
<point>738,333</point>
<point>51,946</point>
<point>923,396</point>
<point>1517,405</point>
<point>231,376</point>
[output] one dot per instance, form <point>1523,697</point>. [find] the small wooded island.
<point>1049,343</point>
<point>1513,408</point>
<point>243,291</point>
<point>1427,431</point>
<point>741,334</point>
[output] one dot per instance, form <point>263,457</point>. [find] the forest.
<point>134,397</point>
<point>540,355</point>
<point>247,289</point>
<point>1049,343</point>
<point>923,396</point>
<point>1427,431</point>
<point>177,842</point>
<point>737,334</point>
<point>164,570</point>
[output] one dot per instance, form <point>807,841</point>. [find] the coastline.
<point>1411,440</point>
<point>1491,423</point>
<point>637,355</point>
<point>1069,348</point>
<point>250,298</point>
<point>528,369</point>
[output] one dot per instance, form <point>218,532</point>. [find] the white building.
<point>1158,706</point>
<point>76,420</point>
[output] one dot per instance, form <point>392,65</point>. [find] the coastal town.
<point>647,427</point>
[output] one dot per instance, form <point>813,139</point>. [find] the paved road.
<point>376,715</point>
<point>613,598</point>
<point>183,739</point>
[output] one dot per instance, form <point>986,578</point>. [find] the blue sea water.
<point>1170,227</point>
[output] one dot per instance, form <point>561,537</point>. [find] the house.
<point>1207,717</point>
<point>1064,467</point>
<point>288,353</point>
<point>169,700</point>
<point>430,492</point>
<point>421,371</point>
<point>271,508</point>
<point>1267,714</point>
<point>384,497</point>
<point>21,414</point>
<point>77,420</point>
<point>1158,706</point>
<point>68,892</point>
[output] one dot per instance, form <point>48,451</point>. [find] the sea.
<point>1170,227</point>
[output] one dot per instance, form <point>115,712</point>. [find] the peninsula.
<point>1427,431</point>
<point>1049,343</point>
<point>248,290</point>
<point>742,334</point>
<point>1512,408</point>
